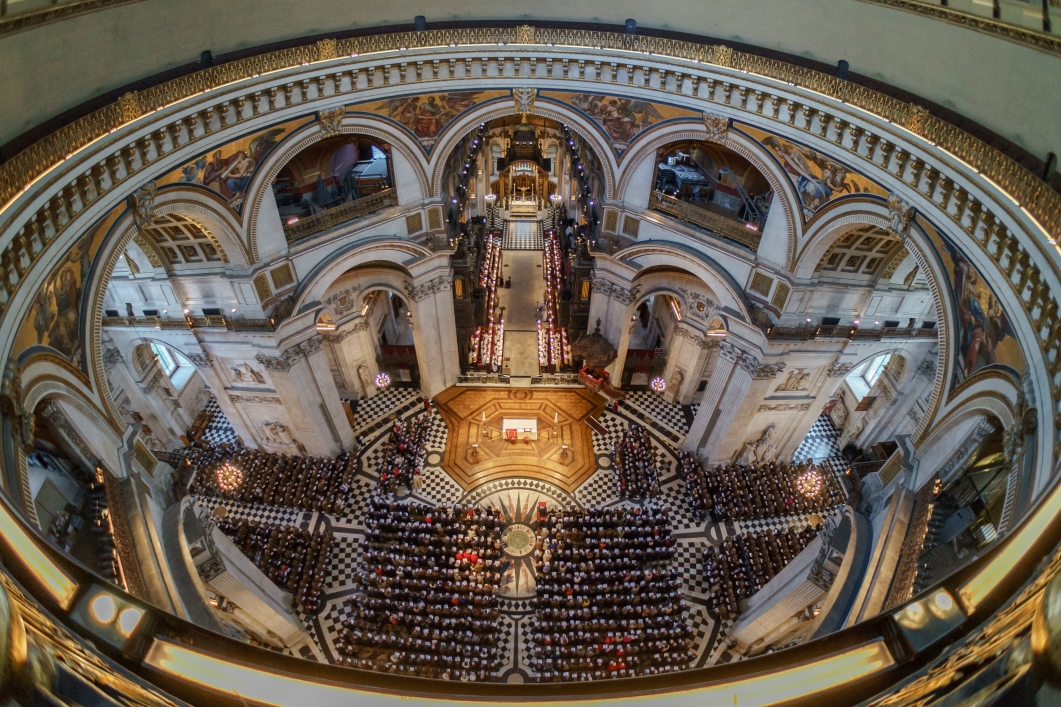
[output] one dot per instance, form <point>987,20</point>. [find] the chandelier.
<point>383,379</point>
<point>658,384</point>
<point>809,483</point>
<point>229,477</point>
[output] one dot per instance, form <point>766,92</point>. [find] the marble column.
<point>681,372</point>
<point>355,355</point>
<point>242,426</point>
<point>611,303</point>
<point>763,381</point>
<point>736,391</point>
<point>308,417</point>
<point>728,356</point>
<point>434,331</point>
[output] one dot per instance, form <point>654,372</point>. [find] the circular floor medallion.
<point>517,540</point>
<point>434,459</point>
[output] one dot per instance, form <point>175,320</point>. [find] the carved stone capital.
<point>420,292</point>
<point>717,127</point>
<point>616,292</point>
<point>767,371</point>
<point>200,360</point>
<point>749,363</point>
<point>274,363</point>
<point>839,370</point>
<point>729,352</point>
<point>111,357</point>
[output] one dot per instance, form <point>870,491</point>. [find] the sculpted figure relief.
<point>243,373</point>
<point>758,451</point>
<point>797,380</point>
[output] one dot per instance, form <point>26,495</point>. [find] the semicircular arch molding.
<point>314,287</point>
<point>712,275</point>
<point>310,134</point>
<point>500,108</point>
<point>212,212</point>
<point>833,222</point>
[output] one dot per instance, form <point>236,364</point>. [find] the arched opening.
<point>391,319</point>
<point>964,508</point>
<point>651,328</point>
<point>330,174</point>
<point>703,179</point>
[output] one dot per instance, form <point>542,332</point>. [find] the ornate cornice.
<point>420,292</point>
<point>839,370</point>
<point>767,371</point>
<point>619,294</point>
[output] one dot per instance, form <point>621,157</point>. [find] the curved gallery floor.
<point>507,476</point>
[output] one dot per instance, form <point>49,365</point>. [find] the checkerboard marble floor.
<point>820,442</point>
<point>667,424</point>
<point>218,430</point>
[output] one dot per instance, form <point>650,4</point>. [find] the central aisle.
<point>521,313</point>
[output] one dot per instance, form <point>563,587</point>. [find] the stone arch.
<point>946,436</point>
<point>652,139</point>
<point>315,284</point>
<point>697,264</point>
<point>831,223</point>
<point>356,123</point>
<point>220,220</point>
<point>500,108</point>
<point>369,279</point>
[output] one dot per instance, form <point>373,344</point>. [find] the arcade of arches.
<point>506,383</point>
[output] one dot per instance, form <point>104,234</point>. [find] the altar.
<point>514,428</point>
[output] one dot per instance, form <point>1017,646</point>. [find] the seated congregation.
<point>635,465</point>
<point>608,602</point>
<point>427,603</point>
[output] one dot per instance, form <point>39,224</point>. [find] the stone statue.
<point>797,380</point>
<point>758,451</point>
<point>277,433</point>
<point>840,412</point>
<point>365,377</point>
<point>243,373</point>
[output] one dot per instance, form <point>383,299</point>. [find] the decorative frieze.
<point>419,293</point>
<point>620,294</point>
<point>784,407</point>
<point>258,399</point>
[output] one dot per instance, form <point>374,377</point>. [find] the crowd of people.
<point>295,560</point>
<point>635,466</point>
<point>744,563</point>
<point>734,492</point>
<point>402,463</point>
<point>304,482</point>
<point>608,603</point>
<point>427,603</point>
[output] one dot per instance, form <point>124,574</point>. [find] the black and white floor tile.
<point>666,422</point>
<point>218,430</point>
<point>820,442</point>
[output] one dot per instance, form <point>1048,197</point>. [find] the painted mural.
<point>818,179</point>
<point>985,335</point>
<point>229,169</point>
<point>622,119</point>
<point>426,115</point>
<point>54,319</point>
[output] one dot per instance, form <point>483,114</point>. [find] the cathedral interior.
<point>565,358</point>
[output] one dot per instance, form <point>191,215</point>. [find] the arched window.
<point>875,368</point>
<point>165,359</point>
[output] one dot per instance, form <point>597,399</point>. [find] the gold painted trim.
<point>1043,41</point>
<point>36,18</point>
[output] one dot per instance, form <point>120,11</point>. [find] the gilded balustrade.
<point>736,82</point>
<point>723,227</point>
<point>340,214</point>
